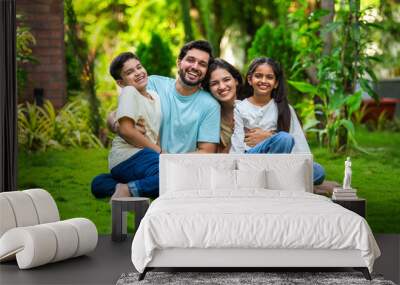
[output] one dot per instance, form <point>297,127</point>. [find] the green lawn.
<point>67,174</point>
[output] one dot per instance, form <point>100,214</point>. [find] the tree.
<point>338,70</point>
<point>24,41</point>
<point>214,18</point>
<point>86,58</point>
<point>187,24</point>
<point>156,57</point>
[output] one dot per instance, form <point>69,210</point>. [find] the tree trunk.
<point>218,29</point>
<point>350,58</point>
<point>94,102</point>
<point>86,60</point>
<point>187,24</point>
<point>327,40</point>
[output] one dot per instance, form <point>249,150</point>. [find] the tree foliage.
<point>156,56</point>
<point>338,71</point>
<point>24,41</point>
<point>388,38</point>
<point>85,59</point>
<point>274,43</point>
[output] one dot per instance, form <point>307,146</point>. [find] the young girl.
<point>264,122</point>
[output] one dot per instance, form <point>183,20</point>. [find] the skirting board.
<point>227,257</point>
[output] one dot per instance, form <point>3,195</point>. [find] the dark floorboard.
<point>102,266</point>
<point>110,260</point>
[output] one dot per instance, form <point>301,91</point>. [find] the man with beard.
<point>190,116</point>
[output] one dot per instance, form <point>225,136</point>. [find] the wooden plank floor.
<point>111,259</point>
<point>102,266</point>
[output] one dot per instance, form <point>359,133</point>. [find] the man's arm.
<point>133,136</point>
<point>112,122</point>
<point>113,125</point>
<point>206,147</point>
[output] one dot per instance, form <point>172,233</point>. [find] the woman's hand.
<point>254,136</point>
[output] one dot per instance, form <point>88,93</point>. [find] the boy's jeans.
<point>140,172</point>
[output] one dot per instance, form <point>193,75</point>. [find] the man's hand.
<point>140,126</point>
<point>113,125</point>
<point>206,147</point>
<point>254,136</point>
<point>112,122</point>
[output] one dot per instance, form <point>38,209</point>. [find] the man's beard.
<point>181,74</point>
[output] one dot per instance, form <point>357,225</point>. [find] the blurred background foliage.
<point>332,51</point>
<point>25,40</point>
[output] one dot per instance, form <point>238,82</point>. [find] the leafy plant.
<point>34,127</point>
<point>336,72</point>
<point>40,128</point>
<point>359,115</point>
<point>24,41</point>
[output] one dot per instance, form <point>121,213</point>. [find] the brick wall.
<point>46,20</point>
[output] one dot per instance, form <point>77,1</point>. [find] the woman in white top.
<point>264,122</point>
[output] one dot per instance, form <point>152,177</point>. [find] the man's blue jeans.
<point>283,142</point>
<point>140,172</point>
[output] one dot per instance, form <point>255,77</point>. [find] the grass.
<point>67,174</point>
<point>376,176</point>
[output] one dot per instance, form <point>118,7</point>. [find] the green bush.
<point>273,42</point>
<point>156,57</point>
<point>40,128</point>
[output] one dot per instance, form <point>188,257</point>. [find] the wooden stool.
<point>120,206</point>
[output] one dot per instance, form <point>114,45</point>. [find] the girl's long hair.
<point>223,64</point>
<point>279,94</point>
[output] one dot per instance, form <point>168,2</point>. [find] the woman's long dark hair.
<point>223,64</point>
<point>279,94</point>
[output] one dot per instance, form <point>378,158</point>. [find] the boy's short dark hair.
<point>199,44</point>
<point>118,62</point>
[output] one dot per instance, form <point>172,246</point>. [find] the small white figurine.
<point>347,174</point>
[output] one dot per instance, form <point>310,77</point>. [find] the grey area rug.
<point>273,278</point>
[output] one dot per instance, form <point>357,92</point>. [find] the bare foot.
<point>121,190</point>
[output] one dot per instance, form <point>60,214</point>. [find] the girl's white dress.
<point>248,115</point>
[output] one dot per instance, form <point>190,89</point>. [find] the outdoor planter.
<point>374,109</point>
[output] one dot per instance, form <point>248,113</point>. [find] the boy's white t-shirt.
<point>133,105</point>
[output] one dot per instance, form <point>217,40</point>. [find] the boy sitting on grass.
<point>134,156</point>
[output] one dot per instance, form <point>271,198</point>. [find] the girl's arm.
<point>133,136</point>
<point>237,139</point>
<point>300,142</point>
